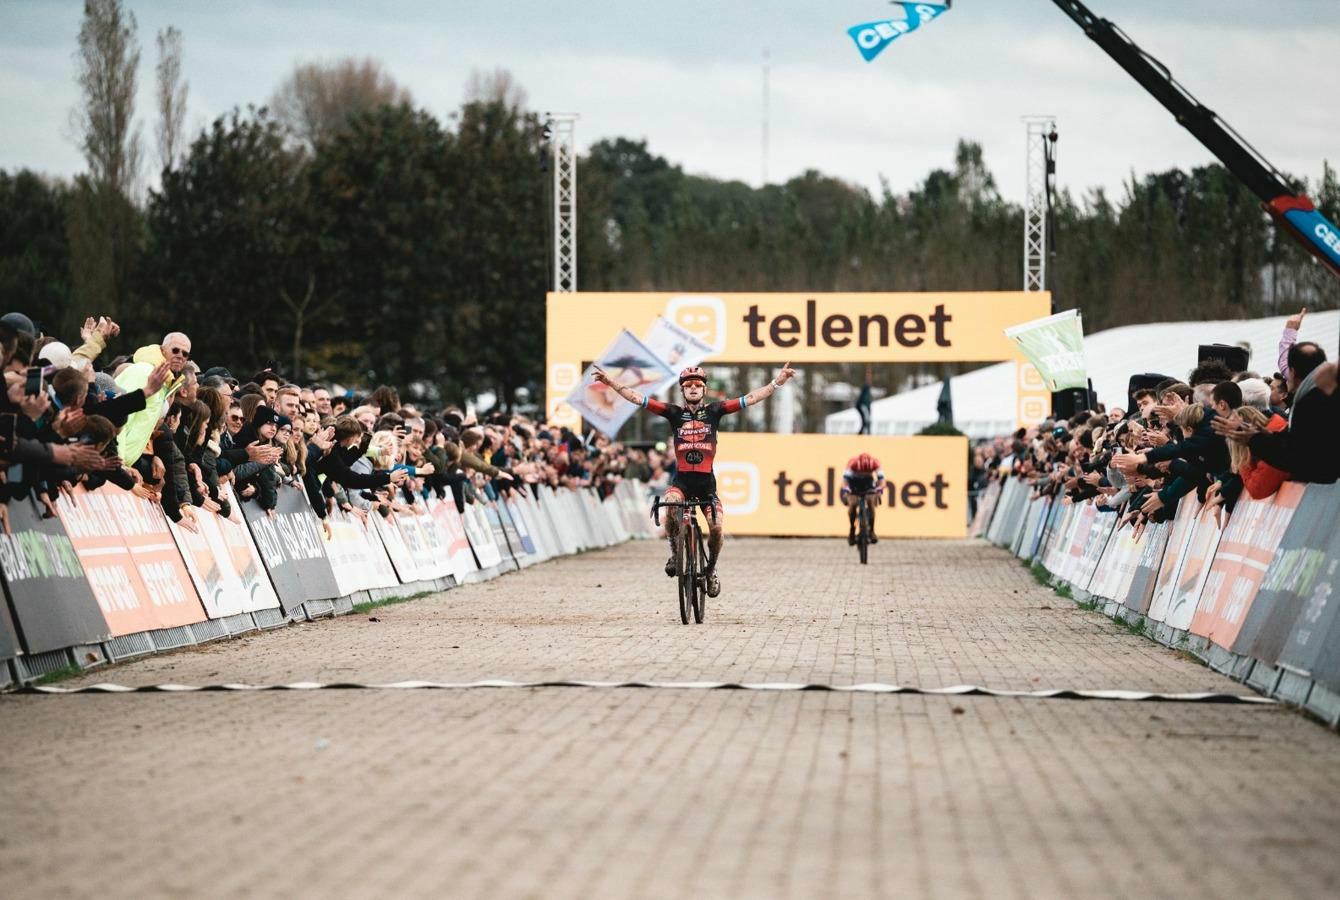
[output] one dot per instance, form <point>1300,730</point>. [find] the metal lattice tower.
<point>1035,202</point>
<point>563,144</point>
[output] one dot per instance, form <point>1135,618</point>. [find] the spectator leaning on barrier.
<point>1306,449</point>
<point>174,352</point>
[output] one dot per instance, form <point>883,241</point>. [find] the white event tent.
<point>984,400</point>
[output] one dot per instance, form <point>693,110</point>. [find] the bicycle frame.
<point>691,553</point>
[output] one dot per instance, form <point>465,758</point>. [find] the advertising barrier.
<point>224,564</point>
<point>164,586</point>
<point>293,548</point>
<point>130,560</point>
<point>1254,598</point>
<point>1249,542</point>
<point>1293,605</point>
<point>51,599</point>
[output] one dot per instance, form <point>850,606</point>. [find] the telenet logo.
<point>702,316</point>
<point>738,486</point>
<point>563,376</point>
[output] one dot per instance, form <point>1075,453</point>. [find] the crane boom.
<point>1290,209</point>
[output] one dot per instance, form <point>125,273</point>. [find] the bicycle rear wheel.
<point>687,577</point>
<point>863,534</point>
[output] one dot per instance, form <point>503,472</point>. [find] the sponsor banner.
<point>509,523</point>
<point>986,506</point>
<point>800,328</point>
<point>224,563</point>
<point>9,640</point>
<point>1109,580</point>
<point>430,554</point>
<point>523,534</point>
<point>1190,584</point>
<point>1055,347</point>
<point>1173,555</point>
<point>397,550</point>
<point>416,542</point>
<point>790,484</point>
<point>1140,591</point>
<point>449,521</point>
<point>1293,613</point>
<point>356,554</point>
<point>1085,518</point>
<point>872,37</point>
<point>540,507</point>
<point>1060,537</point>
<point>1094,545</point>
<point>499,533</point>
<point>480,535</point>
<point>292,545</point>
<point>1249,541</point>
<point>48,592</point>
<point>130,560</point>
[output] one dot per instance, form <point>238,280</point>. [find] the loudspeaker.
<point>1143,381</point>
<point>1238,359</point>
<point>1071,401</point>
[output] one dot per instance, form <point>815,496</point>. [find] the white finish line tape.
<point>960,690</point>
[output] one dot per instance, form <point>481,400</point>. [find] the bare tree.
<point>318,99</point>
<point>498,86</point>
<point>108,60</point>
<point>101,215</point>
<point>171,97</point>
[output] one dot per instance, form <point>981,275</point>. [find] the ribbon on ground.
<point>958,690</point>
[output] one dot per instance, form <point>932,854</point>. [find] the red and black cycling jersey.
<point>861,482</point>
<point>695,431</point>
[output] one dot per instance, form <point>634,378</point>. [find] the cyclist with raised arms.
<point>862,476</point>
<point>694,427</point>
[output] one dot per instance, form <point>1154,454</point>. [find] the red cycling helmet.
<point>864,463</point>
<point>692,373</point>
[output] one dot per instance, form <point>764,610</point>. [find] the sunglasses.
<point>234,418</point>
<point>177,351</point>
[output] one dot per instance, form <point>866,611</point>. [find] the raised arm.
<point>622,390</point>
<point>759,394</point>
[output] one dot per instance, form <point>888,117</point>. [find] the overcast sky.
<point>688,75</point>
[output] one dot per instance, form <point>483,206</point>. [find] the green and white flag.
<point>1055,345</point>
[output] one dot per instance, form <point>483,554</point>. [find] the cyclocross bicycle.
<point>690,555</point>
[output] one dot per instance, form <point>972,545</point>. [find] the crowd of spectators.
<point>159,424</point>
<point>1216,435</point>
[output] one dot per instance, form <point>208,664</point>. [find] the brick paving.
<point>583,793</point>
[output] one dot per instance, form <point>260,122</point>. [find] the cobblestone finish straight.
<point>571,793</point>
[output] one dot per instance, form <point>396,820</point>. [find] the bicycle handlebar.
<point>710,503</point>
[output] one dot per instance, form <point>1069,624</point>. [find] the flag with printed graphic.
<point>676,346</point>
<point>872,37</point>
<point>626,361</point>
<point>1055,345</point>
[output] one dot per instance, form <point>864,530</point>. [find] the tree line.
<point>340,231</point>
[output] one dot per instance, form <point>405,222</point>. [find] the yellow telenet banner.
<point>800,328</point>
<point>790,484</point>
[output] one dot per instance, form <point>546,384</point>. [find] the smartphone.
<point>35,384</point>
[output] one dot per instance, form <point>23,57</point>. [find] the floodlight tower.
<point>1039,184</point>
<point>561,131</point>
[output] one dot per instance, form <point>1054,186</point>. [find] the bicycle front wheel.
<point>700,582</point>
<point>687,576</point>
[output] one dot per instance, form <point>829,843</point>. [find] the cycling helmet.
<point>692,373</point>
<point>865,463</point>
